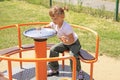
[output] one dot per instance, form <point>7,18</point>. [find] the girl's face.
<point>57,18</point>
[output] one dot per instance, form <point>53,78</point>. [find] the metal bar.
<point>116,10</point>
<point>9,70</point>
<point>91,71</point>
<point>19,43</point>
<point>74,69</point>
<point>41,67</point>
<point>50,3</point>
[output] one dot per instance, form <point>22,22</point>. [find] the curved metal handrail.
<point>9,59</point>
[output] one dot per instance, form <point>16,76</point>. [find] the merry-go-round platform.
<point>17,64</point>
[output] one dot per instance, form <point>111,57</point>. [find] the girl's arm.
<point>45,26</point>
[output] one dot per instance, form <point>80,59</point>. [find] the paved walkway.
<point>98,4</point>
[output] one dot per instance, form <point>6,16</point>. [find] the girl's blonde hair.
<point>57,10</point>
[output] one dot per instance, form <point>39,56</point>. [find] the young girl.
<point>69,40</point>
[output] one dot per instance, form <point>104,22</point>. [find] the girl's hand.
<point>64,39</point>
<point>1,74</point>
<point>39,28</point>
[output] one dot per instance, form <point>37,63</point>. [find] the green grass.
<point>14,12</point>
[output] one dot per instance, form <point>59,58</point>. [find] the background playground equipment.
<point>5,53</point>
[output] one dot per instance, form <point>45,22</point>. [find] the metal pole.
<point>41,67</point>
<point>50,3</point>
<point>116,11</point>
